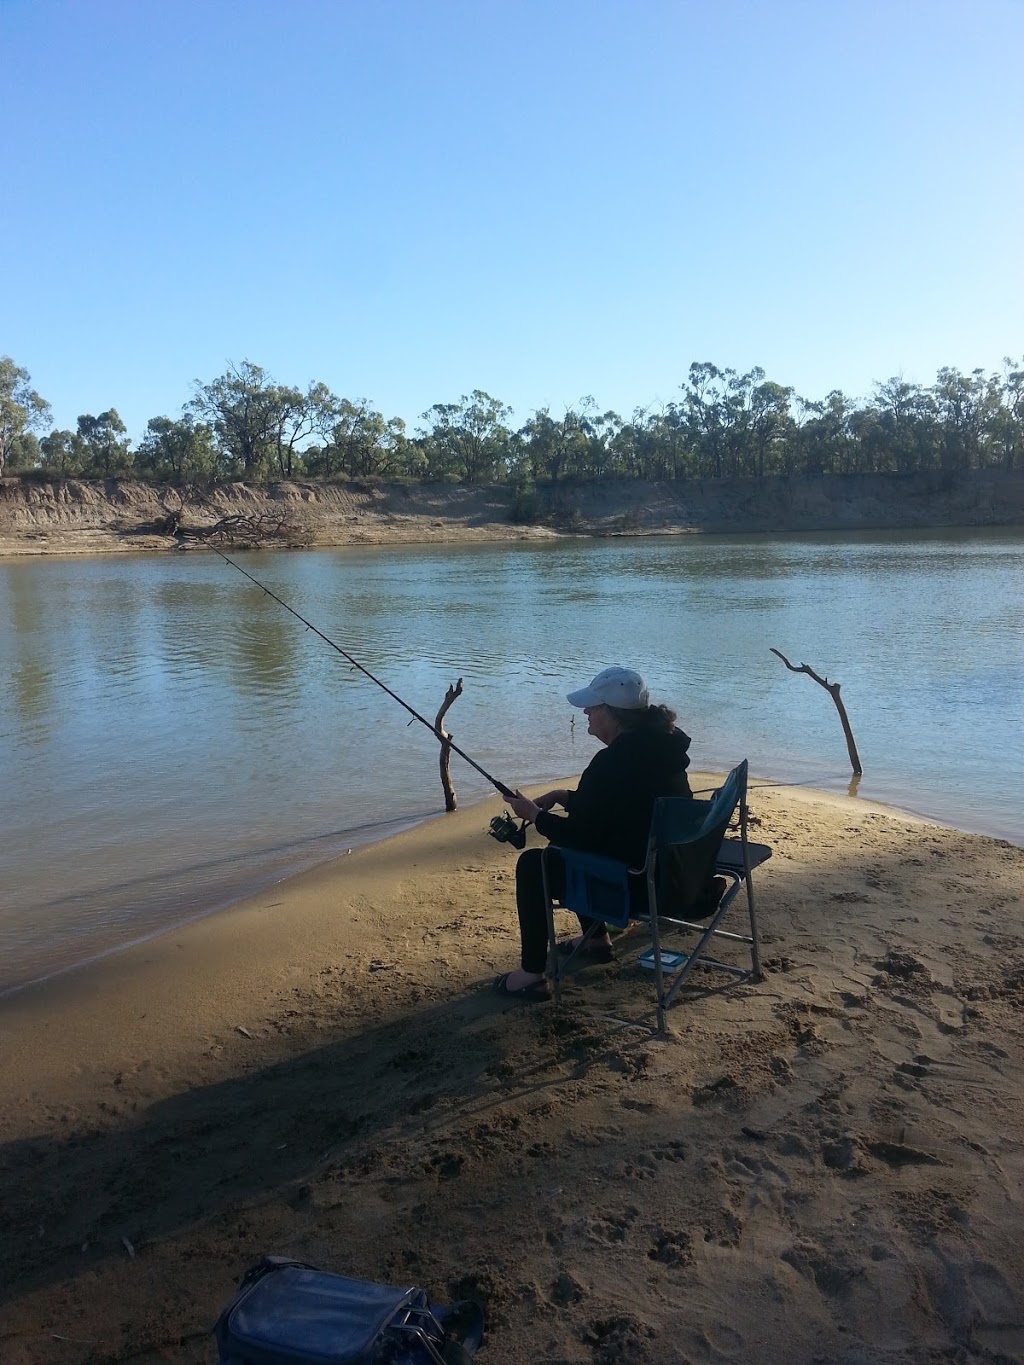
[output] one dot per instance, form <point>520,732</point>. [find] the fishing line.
<point>356,664</point>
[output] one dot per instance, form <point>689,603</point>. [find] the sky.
<point>543,199</point>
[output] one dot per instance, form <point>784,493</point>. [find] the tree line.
<point>245,425</point>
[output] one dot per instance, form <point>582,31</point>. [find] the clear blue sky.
<point>410,199</point>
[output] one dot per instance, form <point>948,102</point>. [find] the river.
<point>171,738</point>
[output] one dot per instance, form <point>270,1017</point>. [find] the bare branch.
<point>242,531</point>
<point>446,745</point>
<point>833,690</point>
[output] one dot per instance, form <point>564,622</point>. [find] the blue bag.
<point>288,1313</point>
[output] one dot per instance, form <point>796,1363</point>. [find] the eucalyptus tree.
<point>964,406</point>
<point>468,440</point>
<point>296,417</point>
<point>356,440</point>
<point>767,422</point>
<point>625,447</point>
<point>708,415</point>
<point>542,452</point>
<point>604,432</point>
<point>181,451</point>
<point>21,410</point>
<point>635,449</point>
<point>62,452</point>
<point>105,448</point>
<point>1009,423</point>
<point>673,442</point>
<point>242,407</point>
<point>823,441</point>
<point>24,451</point>
<point>905,439</point>
<point>559,447</point>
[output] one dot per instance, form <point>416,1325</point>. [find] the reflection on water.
<point>170,735</point>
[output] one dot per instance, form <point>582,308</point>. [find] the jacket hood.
<point>670,751</point>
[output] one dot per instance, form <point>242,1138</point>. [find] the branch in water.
<point>833,690</point>
<point>446,745</point>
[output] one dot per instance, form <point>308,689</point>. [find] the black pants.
<point>533,915</point>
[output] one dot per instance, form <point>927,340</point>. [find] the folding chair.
<point>686,848</point>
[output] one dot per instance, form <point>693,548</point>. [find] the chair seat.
<point>730,856</point>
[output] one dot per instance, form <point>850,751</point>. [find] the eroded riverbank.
<point>79,517</point>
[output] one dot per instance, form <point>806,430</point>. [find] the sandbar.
<point>826,1165</point>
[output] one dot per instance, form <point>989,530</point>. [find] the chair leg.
<point>755,946</point>
<point>659,976</point>
<point>553,964</point>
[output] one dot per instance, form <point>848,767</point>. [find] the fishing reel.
<point>504,828</point>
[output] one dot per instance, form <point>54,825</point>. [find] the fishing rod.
<point>356,664</point>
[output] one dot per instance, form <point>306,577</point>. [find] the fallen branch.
<point>833,690</point>
<point>446,745</point>
<point>240,532</point>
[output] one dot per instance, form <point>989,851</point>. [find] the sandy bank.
<point>824,1166</point>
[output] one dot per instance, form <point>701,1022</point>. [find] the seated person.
<point>609,813</point>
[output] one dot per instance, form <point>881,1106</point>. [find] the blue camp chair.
<point>687,847</point>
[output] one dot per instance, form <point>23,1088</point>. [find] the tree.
<point>359,442</point>
<point>105,447</point>
<point>297,417</point>
<point>906,419</point>
<point>962,403</point>
<point>824,442</point>
<point>554,449</point>
<point>668,444</point>
<point>468,439</point>
<point>604,434</point>
<point>243,407</point>
<point>180,452</point>
<point>62,452</point>
<point>1010,418</point>
<point>706,399</point>
<point>21,409</point>
<point>24,452</point>
<point>767,420</point>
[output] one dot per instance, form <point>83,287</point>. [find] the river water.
<point>171,738</point>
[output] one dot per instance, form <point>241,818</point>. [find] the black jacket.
<point>610,810</point>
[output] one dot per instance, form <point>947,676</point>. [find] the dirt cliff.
<point>76,516</point>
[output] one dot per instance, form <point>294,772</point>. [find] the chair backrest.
<point>685,838</point>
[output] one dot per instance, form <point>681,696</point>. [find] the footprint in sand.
<point>671,1248</point>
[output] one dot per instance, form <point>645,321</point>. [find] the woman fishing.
<point>644,757</point>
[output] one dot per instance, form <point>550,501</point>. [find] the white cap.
<point>619,687</point>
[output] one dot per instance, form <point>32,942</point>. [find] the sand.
<point>823,1167</point>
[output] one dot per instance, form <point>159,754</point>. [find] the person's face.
<point>601,723</point>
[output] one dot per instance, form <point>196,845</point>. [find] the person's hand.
<point>552,798</point>
<point>524,807</point>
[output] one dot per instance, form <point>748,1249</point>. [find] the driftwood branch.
<point>833,690</point>
<point>242,531</point>
<point>446,745</point>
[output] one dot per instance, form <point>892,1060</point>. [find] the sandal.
<point>532,994</point>
<point>593,952</point>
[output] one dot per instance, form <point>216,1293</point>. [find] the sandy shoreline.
<point>824,1166</point>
